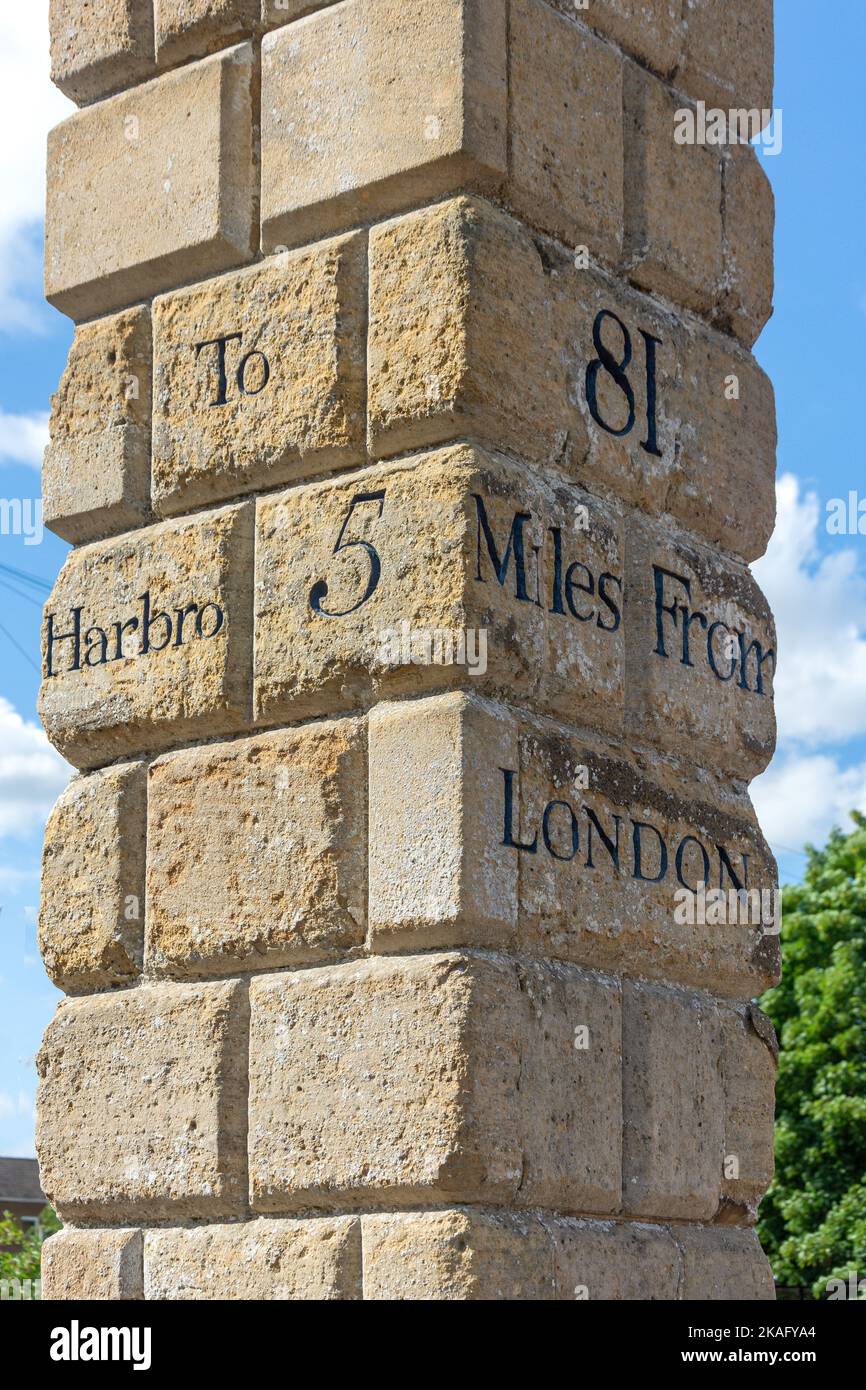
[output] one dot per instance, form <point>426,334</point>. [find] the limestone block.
<point>371,106</point>
<point>722,1265</point>
<point>718,51</point>
<point>259,376</point>
<point>615,1262</point>
<point>471,1254</point>
<point>612,850</point>
<point>724,484</point>
<point>257,851</point>
<point>141,197</point>
<point>99,46</point>
<point>728,54</point>
<point>276,13</point>
<point>91,1266</point>
<point>141,1104</point>
<point>566,167</point>
<point>453,290</point>
<point>147,639</point>
<point>609,387</point>
<point>749,1061</point>
<point>700,652</point>
<point>673,1103</point>
<point>91,913</point>
<point>517,833</point>
<point>439,873</point>
<point>673,200</point>
<point>650,29</point>
<point>749,219</point>
<point>435,1078</point>
<point>96,473</point>
<point>317,1259</point>
<point>457,1255</point>
<point>192,28</point>
<point>455,568</point>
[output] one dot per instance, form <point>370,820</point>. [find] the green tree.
<point>21,1246</point>
<point>813,1220</point>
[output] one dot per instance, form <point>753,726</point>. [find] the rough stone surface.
<point>566,157</point>
<point>488,578</point>
<point>615,1262</point>
<point>728,54</point>
<point>749,220</point>
<point>749,1075</point>
<point>316,1259</point>
<point>673,200</point>
<point>723,484</point>
<point>631,901</point>
<point>723,1266</point>
<point>673,1104</point>
<point>96,473</point>
<point>99,46</point>
<point>123,686</point>
<point>373,105</point>
<point>718,51</point>
<point>276,13</point>
<point>650,29</point>
<point>700,652</point>
<point>192,28</point>
<point>468,1254</point>
<point>257,851</point>
<point>452,290</point>
<point>142,197</point>
<point>434,1079</point>
<point>282,398</point>
<point>91,914</point>
<point>141,1106</point>
<point>92,1266</point>
<point>606,851</point>
<point>461,1254</point>
<point>439,873</point>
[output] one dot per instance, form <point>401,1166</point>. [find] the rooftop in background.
<point>20,1186</point>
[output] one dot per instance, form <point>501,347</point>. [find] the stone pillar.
<point>414,455</point>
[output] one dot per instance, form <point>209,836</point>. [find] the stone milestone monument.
<point>413,456</point>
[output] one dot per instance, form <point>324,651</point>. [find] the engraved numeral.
<point>319,591</point>
<point>617,370</point>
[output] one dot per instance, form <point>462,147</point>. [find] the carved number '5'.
<point>319,591</point>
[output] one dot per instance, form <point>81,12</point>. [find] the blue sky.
<point>813,348</point>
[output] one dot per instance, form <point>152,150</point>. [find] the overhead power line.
<point>27,657</point>
<point>23,577</point>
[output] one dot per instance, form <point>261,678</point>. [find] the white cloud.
<point>29,106</point>
<point>15,879</point>
<point>818,594</point>
<point>23,437</point>
<point>32,774</point>
<point>19,1106</point>
<point>802,796</point>
<point>820,606</point>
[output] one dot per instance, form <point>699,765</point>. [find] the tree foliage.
<point>21,1246</point>
<point>813,1220</point>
